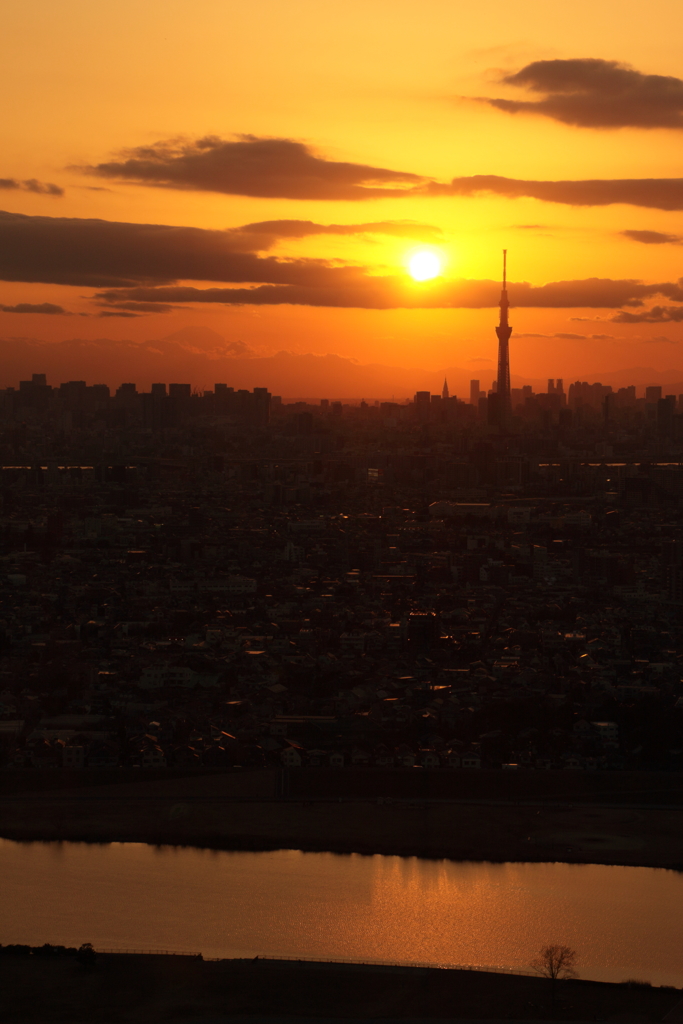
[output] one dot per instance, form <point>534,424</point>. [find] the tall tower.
<point>503,330</point>
<point>444,392</point>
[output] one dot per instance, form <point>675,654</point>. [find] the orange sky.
<point>371,84</point>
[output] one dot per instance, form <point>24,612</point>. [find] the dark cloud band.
<point>391,292</point>
<point>594,93</point>
<point>105,254</point>
<point>138,264</point>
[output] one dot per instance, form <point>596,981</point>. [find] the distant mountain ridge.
<point>202,357</point>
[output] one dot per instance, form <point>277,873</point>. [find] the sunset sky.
<point>267,170</point>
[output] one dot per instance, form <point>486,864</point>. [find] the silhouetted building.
<point>422,402</point>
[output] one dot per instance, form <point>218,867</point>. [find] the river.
<point>624,922</point>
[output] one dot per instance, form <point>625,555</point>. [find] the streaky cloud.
<point>653,193</point>
<point>119,313</point>
<point>263,235</point>
<point>568,336</point>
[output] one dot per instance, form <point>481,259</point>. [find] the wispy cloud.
<point>43,188</point>
<point>39,307</point>
<point>655,315</point>
<point>653,237</point>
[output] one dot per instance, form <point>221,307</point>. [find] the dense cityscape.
<point>225,579</point>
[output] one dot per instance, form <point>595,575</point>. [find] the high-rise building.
<point>422,402</point>
<point>444,391</point>
<point>503,330</point>
<point>474,393</point>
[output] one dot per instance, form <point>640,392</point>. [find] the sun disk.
<point>424,265</point>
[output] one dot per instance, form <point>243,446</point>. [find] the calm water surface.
<point>624,922</point>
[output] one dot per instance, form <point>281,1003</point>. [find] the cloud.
<point>653,193</point>
<point>143,263</point>
<point>594,93</point>
<point>104,254</point>
<point>43,188</point>
<point>601,337</point>
<point>41,307</point>
<point>656,315</point>
<point>111,313</point>
<point>250,166</point>
<point>354,288</point>
<point>652,237</point>
<point>100,253</point>
<point>284,168</point>
<point>571,337</point>
<point>264,234</point>
<point>143,307</point>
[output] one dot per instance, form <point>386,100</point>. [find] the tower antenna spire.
<point>503,330</point>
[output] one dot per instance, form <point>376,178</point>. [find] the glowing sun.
<point>424,265</point>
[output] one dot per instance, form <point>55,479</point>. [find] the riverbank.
<point>207,811</point>
<point>134,988</point>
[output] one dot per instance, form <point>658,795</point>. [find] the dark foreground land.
<point>599,817</point>
<point>131,988</point>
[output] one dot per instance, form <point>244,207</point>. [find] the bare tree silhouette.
<point>555,963</point>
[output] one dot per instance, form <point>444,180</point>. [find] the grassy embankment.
<point>158,988</point>
<point>601,817</point>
